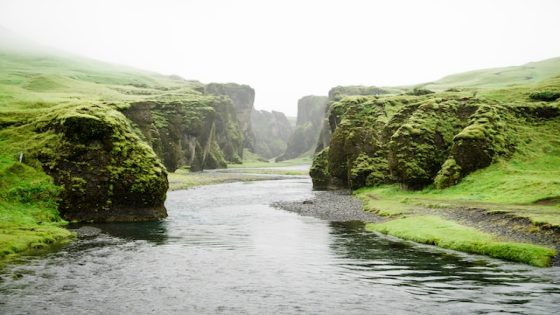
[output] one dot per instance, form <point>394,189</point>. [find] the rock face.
<point>242,97</point>
<point>106,173</point>
<point>417,140</point>
<point>198,132</point>
<point>332,118</point>
<point>272,132</point>
<point>229,134</point>
<point>311,110</point>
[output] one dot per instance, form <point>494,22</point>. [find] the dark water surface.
<point>224,250</point>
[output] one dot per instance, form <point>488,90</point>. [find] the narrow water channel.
<point>223,249</point>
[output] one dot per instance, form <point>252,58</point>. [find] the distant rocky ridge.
<point>242,98</point>
<point>311,110</point>
<point>329,121</point>
<point>272,131</point>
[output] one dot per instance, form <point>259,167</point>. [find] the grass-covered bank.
<point>525,186</point>
<point>29,220</point>
<point>184,179</point>
<point>251,160</point>
<point>434,230</point>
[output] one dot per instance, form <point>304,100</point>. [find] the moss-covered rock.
<point>358,148</point>
<point>449,175</point>
<point>420,146</point>
<point>319,171</point>
<point>229,135</point>
<point>106,172</point>
<point>418,140</point>
<point>334,109</point>
<point>199,132</point>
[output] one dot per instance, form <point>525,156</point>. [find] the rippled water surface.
<point>223,249</point>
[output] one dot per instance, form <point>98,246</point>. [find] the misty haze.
<point>279,157</point>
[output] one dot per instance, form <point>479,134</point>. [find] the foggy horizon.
<point>287,50</point>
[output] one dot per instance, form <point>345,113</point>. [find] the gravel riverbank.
<point>330,205</point>
<point>342,206</point>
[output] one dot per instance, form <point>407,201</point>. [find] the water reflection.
<point>154,232</point>
<point>440,275</point>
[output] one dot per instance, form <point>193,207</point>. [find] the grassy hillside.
<point>28,78</point>
<point>530,73</point>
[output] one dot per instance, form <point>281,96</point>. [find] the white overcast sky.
<point>288,49</point>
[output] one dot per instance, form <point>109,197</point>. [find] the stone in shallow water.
<point>87,231</point>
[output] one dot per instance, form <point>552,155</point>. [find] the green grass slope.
<point>530,73</point>
<point>27,78</point>
<point>29,220</point>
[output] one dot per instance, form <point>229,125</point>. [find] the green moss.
<point>418,149</point>
<point>434,230</point>
<point>29,220</point>
<point>547,96</point>
<point>319,170</point>
<point>449,175</point>
<point>94,156</point>
<point>368,171</point>
<point>196,131</point>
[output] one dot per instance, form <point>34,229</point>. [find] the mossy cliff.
<point>242,98</point>
<point>332,115</point>
<point>197,131</point>
<point>311,110</point>
<point>272,131</point>
<point>104,171</point>
<point>420,140</point>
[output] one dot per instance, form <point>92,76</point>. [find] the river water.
<point>223,249</point>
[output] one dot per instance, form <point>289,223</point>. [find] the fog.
<point>288,49</point>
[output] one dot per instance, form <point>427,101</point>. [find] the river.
<point>223,249</point>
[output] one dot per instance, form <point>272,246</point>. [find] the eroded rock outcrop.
<point>311,110</point>
<point>332,117</point>
<point>415,140</point>
<point>243,98</point>
<point>106,173</point>
<point>199,132</point>
<point>272,132</point>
